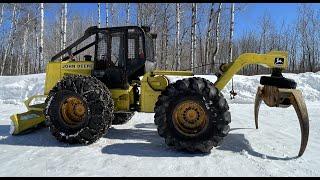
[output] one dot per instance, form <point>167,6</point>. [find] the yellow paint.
<point>73,111</point>
<point>172,73</point>
<point>27,120</point>
<point>56,70</point>
<point>122,98</point>
<point>31,118</point>
<point>152,84</point>
<point>36,107</point>
<point>267,60</point>
<point>189,118</point>
<point>53,75</point>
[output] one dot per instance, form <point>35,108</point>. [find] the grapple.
<point>277,91</point>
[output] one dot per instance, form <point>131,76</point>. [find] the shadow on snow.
<point>40,137</point>
<point>154,146</point>
<point>237,143</point>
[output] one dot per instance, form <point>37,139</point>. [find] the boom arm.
<point>273,59</point>
<point>273,96</point>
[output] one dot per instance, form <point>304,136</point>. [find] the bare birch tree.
<point>217,34</point>
<point>61,27</point>
<point>41,60</point>
<point>65,25</point>
<point>14,37</point>
<point>231,33</point>
<point>193,34</point>
<point>139,14</point>
<point>1,14</point>
<point>128,14</point>
<point>178,43</point>
<point>13,21</point>
<point>22,58</point>
<point>113,14</point>
<point>99,17</point>
<point>107,15</point>
<point>208,38</point>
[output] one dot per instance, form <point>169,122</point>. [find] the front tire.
<point>191,114</point>
<point>79,110</point>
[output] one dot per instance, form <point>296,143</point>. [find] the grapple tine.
<point>299,105</point>
<point>284,97</point>
<point>257,103</point>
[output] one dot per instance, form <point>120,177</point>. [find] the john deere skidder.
<point>84,97</point>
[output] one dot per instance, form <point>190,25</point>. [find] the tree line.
<point>191,36</point>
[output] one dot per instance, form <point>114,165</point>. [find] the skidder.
<point>85,97</point>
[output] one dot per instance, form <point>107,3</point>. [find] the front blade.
<point>25,121</point>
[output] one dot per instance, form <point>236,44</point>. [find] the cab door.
<point>110,63</point>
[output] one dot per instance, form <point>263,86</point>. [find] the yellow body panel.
<point>152,84</point>
<point>268,60</point>
<point>172,73</point>
<point>122,98</point>
<point>56,70</point>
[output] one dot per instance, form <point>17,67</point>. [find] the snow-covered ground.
<point>135,149</point>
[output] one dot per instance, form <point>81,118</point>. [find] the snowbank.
<point>15,89</point>
<point>246,86</point>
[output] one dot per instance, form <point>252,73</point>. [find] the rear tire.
<point>83,125</point>
<point>122,118</point>
<point>188,94</point>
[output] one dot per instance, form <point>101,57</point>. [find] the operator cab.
<point>121,54</point>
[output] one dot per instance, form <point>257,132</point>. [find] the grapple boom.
<point>277,91</point>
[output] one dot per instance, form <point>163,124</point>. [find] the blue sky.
<point>246,19</point>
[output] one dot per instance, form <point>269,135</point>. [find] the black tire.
<point>215,105</point>
<point>122,118</point>
<point>280,82</point>
<point>98,109</point>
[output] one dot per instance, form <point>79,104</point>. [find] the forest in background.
<point>28,42</point>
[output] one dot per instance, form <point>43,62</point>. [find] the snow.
<point>135,149</point>
<point>14,89</point>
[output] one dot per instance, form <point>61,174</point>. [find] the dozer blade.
<point>33,118</point>
<point>280,97</point>
<point>26,121</point>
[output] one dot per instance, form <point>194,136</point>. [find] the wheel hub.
<point>73,111</point>
<point>189,118</point>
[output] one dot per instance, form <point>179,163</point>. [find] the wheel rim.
<point>189,118</point>
<point>73,111</point>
